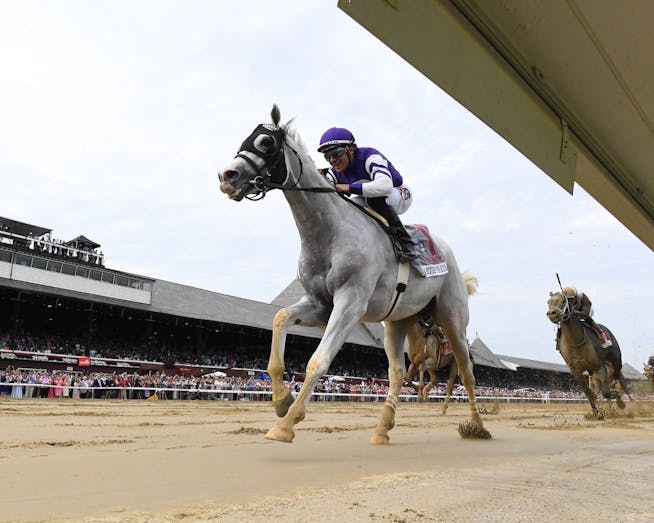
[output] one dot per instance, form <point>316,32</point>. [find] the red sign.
<point>84,362</point>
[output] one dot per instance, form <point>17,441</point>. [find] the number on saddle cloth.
<point>431,260</point>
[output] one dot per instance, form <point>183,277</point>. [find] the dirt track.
<point>208,461</point>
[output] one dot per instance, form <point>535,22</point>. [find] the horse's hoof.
<point>282,405</point>
<point>469,430</point>
<point>621,404</point>
<point>443,412</point>
<point>379,439</point>
<point>283,435</point>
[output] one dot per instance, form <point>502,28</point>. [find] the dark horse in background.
<point>582,351</point>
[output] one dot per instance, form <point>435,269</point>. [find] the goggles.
<point>337,152</point>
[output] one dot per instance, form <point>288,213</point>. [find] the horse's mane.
<point>293,134</point>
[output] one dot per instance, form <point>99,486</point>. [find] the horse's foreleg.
<point>454,371</point>
<point>394,334</point>
<point>304,312</point>
<point>341,321</point>
<point>588,392</point>
<point>281,396</point>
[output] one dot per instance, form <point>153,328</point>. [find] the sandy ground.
<point>163,461</point>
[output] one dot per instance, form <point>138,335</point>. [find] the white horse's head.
<point>259,162</point>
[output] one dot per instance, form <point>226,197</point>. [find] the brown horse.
<point>429,352</point>
<point>581,349</point>
<point>429,362</point>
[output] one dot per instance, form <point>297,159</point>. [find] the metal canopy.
<point>21,228</point>
<point>569,83</point>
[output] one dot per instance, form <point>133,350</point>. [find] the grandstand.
<point>61,308</point>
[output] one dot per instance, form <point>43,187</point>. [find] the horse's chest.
<point>580,361</point>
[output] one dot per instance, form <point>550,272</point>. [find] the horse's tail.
<point>472,284</point>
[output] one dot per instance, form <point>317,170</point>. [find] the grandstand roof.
<point>484,356</point>
<point>627,370</point>
<point>22,228</point>
<point>512,361</point>
<point>83,242</point>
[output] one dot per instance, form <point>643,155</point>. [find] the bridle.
<point>274,174</point>
<point>565,314</point>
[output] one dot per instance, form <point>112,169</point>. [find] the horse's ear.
<point>551,293</point>
<point>275,114</point>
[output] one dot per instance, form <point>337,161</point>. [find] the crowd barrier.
<point>163,393</point>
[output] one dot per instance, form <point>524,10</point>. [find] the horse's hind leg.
<point>452,315</point>
<point>454,371</point>
<point>394,334</point>
<point>433,381</point>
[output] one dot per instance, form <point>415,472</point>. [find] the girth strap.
<point>402,279</point>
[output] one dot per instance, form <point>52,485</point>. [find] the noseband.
<point>274,175</point>
<point>564,313</point>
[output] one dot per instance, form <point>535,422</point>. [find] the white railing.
<point>266,395</point>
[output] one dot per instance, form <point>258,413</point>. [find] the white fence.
<point>162,393</point>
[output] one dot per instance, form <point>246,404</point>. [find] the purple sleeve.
<point>356,188</point>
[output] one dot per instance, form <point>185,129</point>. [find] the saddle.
<point>599,331</point>
<point>430,260</point>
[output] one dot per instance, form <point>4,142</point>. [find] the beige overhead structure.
<point>569,83</point>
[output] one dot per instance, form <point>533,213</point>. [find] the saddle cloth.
<point>431,261</point>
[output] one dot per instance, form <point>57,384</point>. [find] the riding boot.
<point>404,246</point>
<point>603,338</point>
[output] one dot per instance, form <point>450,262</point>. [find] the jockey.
<point>371,177</point>
<point>583,307</point>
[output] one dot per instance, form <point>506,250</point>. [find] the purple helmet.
<point>335,137</point>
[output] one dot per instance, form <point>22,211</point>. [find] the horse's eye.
<point>264,143</point>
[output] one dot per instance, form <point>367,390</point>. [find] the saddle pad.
<point>431,261</point>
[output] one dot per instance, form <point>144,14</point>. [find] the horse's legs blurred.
<point>394,334</point>
<point>410,373</point>
<point>416,344</point>
<point>305,312</point>
<point>589,393</point>
<point>348,309</point>
<point>433,379</point>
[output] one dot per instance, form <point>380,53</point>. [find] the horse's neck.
<point>573,328</point>
<point>319,216</point>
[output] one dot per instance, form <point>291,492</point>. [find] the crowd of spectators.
<point>151,350</point>
<point>77,249</point>
<point>22,383</point>
<point>132,385</point>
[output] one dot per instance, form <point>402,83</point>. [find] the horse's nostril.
<point>228,175</point>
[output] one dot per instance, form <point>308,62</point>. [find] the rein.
<point>264,181</point>
<point>566,314</point>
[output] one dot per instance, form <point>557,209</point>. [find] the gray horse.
<point>349,273</point>
<point>582,352</point>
